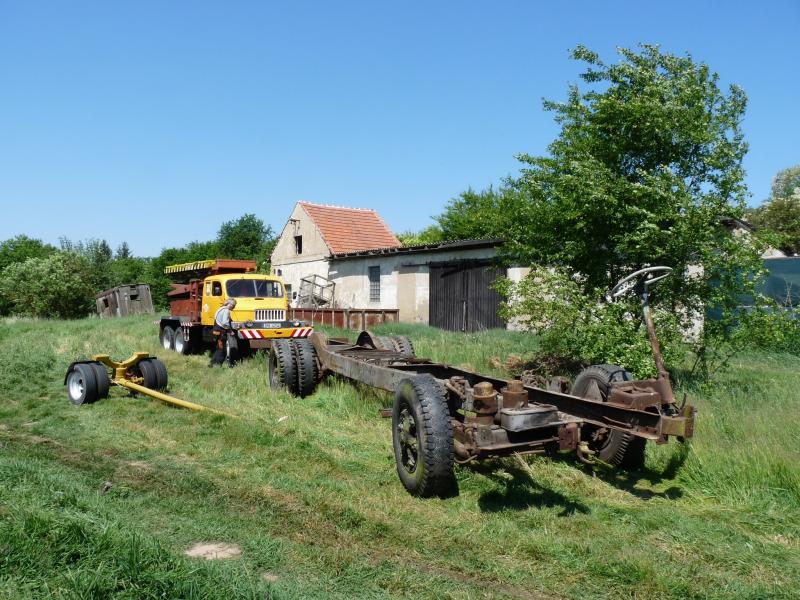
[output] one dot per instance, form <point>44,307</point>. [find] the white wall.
<point>314,258</point>
<point>407,270</point>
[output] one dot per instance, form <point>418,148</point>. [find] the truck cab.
<point>199,290</point>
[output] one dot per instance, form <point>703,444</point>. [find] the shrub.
<point>582,328</point>
<point>59,286</point>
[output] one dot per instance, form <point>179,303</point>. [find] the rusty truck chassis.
<point>496,417</point>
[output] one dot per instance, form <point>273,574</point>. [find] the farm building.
<point>347,259</point>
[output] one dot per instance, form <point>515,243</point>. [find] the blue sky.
<point>153,122</point>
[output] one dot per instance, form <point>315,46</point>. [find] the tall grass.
<point>307,488</point>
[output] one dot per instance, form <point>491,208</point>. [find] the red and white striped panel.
<point>302,332</point>
<point>251,334</point>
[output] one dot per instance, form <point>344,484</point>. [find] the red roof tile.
<point>350,229</point>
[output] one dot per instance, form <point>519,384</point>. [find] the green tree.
<point>16,250</point>
<point>123,251</point>
<point>646,168</point>
<point>430,235</point>
<point>779,216</point>
<point>21,248</point>
<point>59,286</point>
<point>245,237</point>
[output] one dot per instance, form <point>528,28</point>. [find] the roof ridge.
<point>337,206</point>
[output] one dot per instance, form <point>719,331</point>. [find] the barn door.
<point>461,297</point>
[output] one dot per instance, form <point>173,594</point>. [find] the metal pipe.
<point>168,399</point>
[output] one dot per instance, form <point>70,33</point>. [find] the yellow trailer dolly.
<point>89,380</point>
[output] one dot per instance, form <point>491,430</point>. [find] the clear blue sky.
<point>153,122</point>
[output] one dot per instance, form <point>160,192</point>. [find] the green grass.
<point>313,500</point>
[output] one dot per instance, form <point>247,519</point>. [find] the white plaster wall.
<point>352,280</point>
<point>314,259</point>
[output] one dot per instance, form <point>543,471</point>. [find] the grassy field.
<point>307,489</point>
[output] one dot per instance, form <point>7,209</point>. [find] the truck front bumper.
<point>259,334</point>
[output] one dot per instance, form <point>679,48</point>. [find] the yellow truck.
<point>200,288</point>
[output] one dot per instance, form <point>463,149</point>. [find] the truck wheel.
<point>403,345</point>
<point>167,336</point>
<point>422,437</point>
<point>612,445</point>
<point>282,366</point>
<point>101,376</point>
<point>306,359</point>
<point>180,343</point>
<point>82,384</point>
<point>384,342</point>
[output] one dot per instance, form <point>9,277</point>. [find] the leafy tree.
<point>59,285</point>
<point>21,248</point>
<point>246,237</point>
<point>646,168</point>
<point>123,251</point>
<point>154,274</point>
<point>17,250</point>
<point>429,235</point>
<point>780,214</point>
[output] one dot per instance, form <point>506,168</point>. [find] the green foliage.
<point>647,163</point>
<point>159,282</point>
<point>588,329</point>
<point>16,250</point>
<point>429,235</point>
<point>60,285</point>
<point>773,329</point>
<point>780,214</point>
<point>247,238</point>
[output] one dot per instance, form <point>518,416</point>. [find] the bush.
<point>581,328</point>
<point>58,286</point>
<point>776,330</point>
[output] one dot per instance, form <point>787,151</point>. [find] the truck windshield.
<point>253,288</point>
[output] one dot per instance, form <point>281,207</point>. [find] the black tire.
<point>167,338</point>
<point>147,370</point>
<point>615,447</point>
<point>384,342</point>
<point>403,345</point>
<point>307,372</point>
<point>282,367</point>
<point>162,379</point>
<point>82,384</point>
<point>103,382</point>
<point>179,342</point>
<point>422,437</point>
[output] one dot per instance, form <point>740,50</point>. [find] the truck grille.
<point>270,314</point>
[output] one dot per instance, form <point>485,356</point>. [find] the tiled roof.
<point>350,229</point>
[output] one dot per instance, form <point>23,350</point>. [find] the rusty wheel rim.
<point>407,436</point>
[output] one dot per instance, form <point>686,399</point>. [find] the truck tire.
<point>162,379</point>
<point>167,337</point>
<point>82,384</point>
<point>282,366</point>
<point>179,342</point>
<point>422,437</point>
<point>614,447</point>
<point>103,382</point>
<point>307,372</point>
<point>403,345</point>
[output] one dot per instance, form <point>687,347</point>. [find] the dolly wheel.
<point>422,437</point>
<point>306,359</point>
<point>153,373</point>
<point>167,337</point>
<point>82,384</point>
<point>612,445</point>
<point>282,366</point>
<point>101,376</point>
